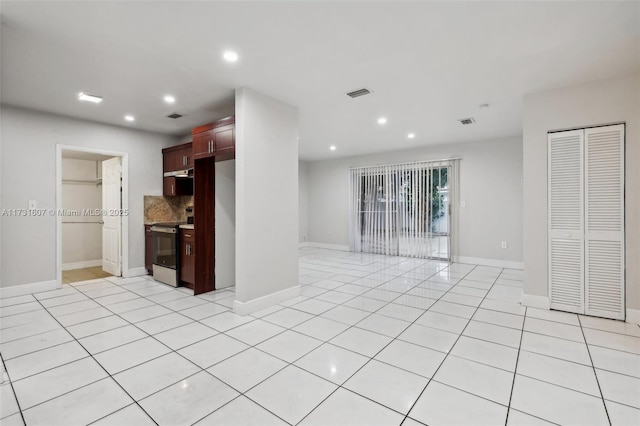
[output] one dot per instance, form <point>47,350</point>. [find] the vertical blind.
<point>404,209</point>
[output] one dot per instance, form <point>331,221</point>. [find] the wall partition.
<point>404,209</point>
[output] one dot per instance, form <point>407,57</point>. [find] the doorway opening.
<point>91,213</point>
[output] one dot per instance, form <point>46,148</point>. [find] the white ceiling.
<point>428,63</point>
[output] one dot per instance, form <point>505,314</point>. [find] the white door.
<point>566,231</point>
<point>604,221</point>
<point>586,221</point>
<point>112,220</point>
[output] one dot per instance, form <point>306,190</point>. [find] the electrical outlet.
<point>503,244</point>
<point>33,204</point>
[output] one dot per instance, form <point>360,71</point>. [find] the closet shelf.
<point>82,181</point>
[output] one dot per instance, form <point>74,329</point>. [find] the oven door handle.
<point>163,230</point>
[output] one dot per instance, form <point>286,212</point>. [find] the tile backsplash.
<point>166,209</point>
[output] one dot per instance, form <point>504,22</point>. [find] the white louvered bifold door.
<point>604,221</point>
<point>566,232</point>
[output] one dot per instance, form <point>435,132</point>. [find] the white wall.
<point>225,248</point>
<point>81,235</point>
<point>266,200</point>
<point>28,145</point>
<point>303,189</point>
<point>601,102</point>
<point>490,185</point>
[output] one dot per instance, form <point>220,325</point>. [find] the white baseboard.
<point>263,302</point>
<point>541,302</point>
<point>498,263</point>
<point>633,316</point>
<point>80,265</point>
<point>21,290</point>
<point>328,246</point>
<point>135,272</point>
<point>303,245</point>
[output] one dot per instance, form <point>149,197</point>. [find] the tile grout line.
<point>515,368</point>
<point>606,411</point>
<point>382,349</point>
<point>108,375</point>
<point>13,390</point>
<point>452,346</point>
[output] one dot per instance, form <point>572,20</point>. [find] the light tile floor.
<point>371,340</point>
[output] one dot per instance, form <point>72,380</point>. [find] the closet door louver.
<point>566,232</point>
<point>604,222</point>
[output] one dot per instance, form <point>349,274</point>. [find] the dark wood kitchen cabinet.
<point>173,186</point>
<point>187,257</point>
<point>179,157</point>
<point>148,249</point>
<point>216,139</point>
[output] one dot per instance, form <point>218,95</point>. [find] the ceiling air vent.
<point>174,115</point>
<point>466,121</point>
<point>359,92</point>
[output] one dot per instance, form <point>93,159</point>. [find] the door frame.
<point>124,236</point>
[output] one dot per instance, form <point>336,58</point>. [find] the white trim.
<point>21,290</point>
<point>124,243</point>
<point>633,316</point>
<point>328,246</point>
<point>499,263</point>
<point>533,301</point>
<point>263,302</point>
<point>80,265</point>
<point>135,272</point>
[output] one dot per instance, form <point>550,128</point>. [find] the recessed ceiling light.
<point>230,56</point>
<point>89,98</point>
<point>382,120</point>
<point>169,99</point>
<point>332,147</point>
<point>129,118</point>
<point>411,135</point>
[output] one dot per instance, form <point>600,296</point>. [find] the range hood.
<point>186,173</point>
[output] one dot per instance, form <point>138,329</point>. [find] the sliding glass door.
<point>402,209</point>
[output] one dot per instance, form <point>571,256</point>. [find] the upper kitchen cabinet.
<point>216,139</point>
<point>179,157</point>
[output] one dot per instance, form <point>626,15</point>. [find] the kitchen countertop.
<point>187,226</point>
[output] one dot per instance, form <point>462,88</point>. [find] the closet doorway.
<point>90,187</point>
<point>586,221</point>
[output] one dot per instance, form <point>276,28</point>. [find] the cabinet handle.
<point>187,235</point>
<point>172,190</point>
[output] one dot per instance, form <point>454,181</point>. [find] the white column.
<point>266,201</point>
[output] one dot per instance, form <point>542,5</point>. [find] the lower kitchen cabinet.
<point>187,257</point>
<point>148,249</point>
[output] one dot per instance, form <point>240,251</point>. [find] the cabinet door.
<point>187,155</point>
<point>174,186</point>
<point>187,256</point>
<point>225,142</point>
<point>148,249</point>
<point>169,186</point>
<point>203,145</point>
